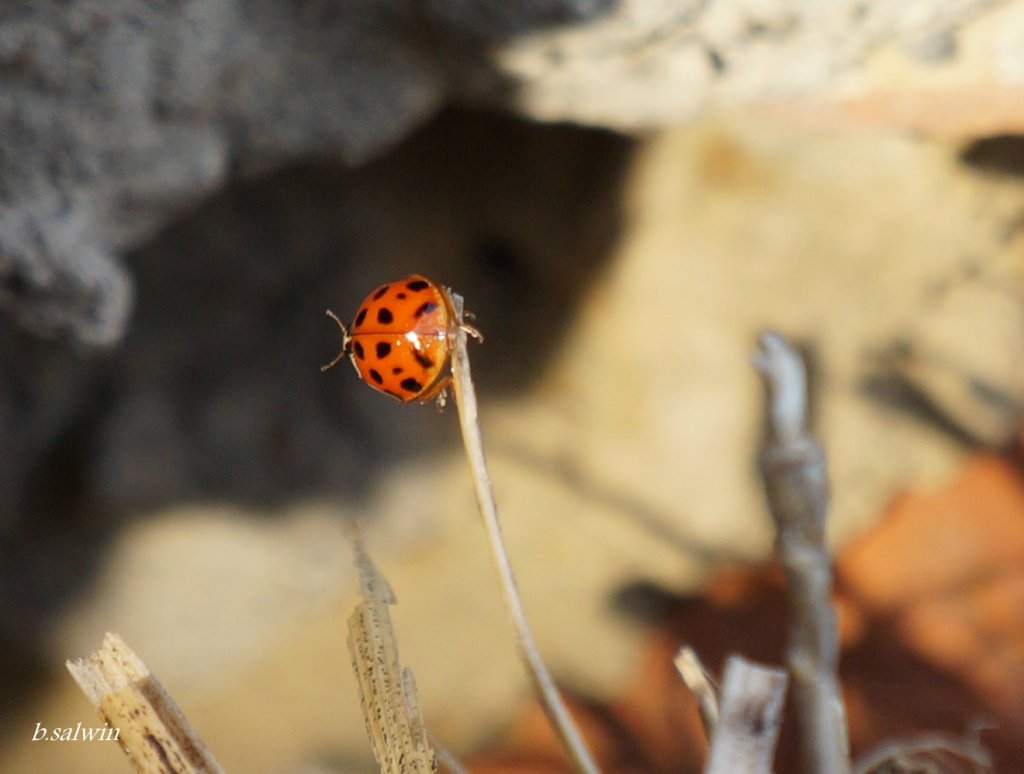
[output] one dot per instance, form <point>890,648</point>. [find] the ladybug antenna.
<point>345,339</point>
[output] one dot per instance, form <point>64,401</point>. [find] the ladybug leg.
<point>345,341</point>
<point>439,391</point>
<point>469,329</point>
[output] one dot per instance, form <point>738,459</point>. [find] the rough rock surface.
<point>650,64</point>
<point>114,116</point>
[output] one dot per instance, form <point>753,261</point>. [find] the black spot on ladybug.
<point>426,306</point>
<point>423,360</point>
<point>397,370</point>
<point>358,349</point>
<point>359,318</point>
<point>375,375</point>
<point>411,385</point>
<point>417,285</point>
<point>380,292</point>
<point>384,316</point>
<point>383,350</point>
<point>400,296</point>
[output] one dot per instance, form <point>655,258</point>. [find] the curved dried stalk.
<point>547,692</point>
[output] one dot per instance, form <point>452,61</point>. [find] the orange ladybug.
<point>401,339</point>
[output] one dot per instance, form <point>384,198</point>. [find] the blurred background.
<point>625,192</point>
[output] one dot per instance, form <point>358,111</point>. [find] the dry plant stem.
<point>693,673</point>
<point>551,701</point>
<point>927,753</point>
<point>751,716</point>
<point>793,466</point>
<point>387,692</point>
<point>152,731</point>
<point>446,757</point>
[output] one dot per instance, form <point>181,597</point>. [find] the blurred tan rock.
<point>860,245</point>
<point>948,67</point>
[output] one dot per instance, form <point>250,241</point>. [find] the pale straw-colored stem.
<point>693,673</point>
<point>547,692</point>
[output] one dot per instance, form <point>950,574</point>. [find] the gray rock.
<point>114,116</point>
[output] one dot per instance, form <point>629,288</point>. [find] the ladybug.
<point>401,339</point>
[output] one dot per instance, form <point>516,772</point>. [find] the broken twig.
<point>693,673</point>
<point>796,482</point>
<point>751,715</point>
<point>387,692</point>
<point>152,731</point>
